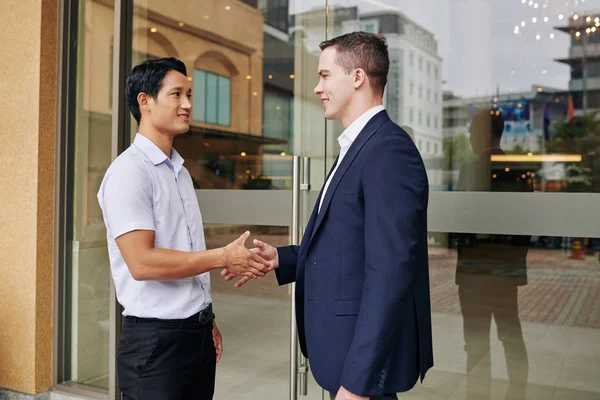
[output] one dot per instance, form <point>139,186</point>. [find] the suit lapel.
<point>313,217</point>
<point>368,131</point>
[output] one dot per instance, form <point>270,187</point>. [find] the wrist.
<point>276,259</point>
<point>222,258</point>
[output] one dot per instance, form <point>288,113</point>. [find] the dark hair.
<point>364,50</point>
<point>147,78</point>
<point>488,121</point>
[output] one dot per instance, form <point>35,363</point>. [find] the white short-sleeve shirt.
<point>143,189</point>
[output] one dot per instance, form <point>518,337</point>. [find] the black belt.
<point>203,317</point>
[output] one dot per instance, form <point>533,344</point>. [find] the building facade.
<point>583,60</point>
<point>503,246</point>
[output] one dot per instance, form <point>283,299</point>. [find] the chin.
<point>182,130</point>
<point>330,115</point>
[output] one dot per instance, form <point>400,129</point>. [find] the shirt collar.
<point>351,133</point>
<point>155,154</point>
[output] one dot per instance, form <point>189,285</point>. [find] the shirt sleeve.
<point>126,201</point>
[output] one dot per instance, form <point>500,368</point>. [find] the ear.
<point>360,76</point>
<point>143,99</point>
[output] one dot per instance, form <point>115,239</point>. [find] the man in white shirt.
<point>170,342</point>
<point>362,283</point>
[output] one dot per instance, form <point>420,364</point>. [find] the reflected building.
<point>413,95</point>
<point>584,61</point>
<point>530,117</point>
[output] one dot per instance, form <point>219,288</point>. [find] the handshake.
<point>249,264</point>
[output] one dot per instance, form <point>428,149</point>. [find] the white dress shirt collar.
<point>346,139</point>
<point>155,154</point>
<point>351,133</point>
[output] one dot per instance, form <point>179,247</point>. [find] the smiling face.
<point>170,111</point>
<point>335,87</point>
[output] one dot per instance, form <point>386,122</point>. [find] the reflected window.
<point>212,98</point>
<point>369,28</point>
<point>275,13</point>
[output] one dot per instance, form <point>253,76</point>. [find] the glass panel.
<point>261,309</point>
<point>516,113</point>
<point>275,13</point>
<point>534,64</point>
<point>224,101</point>
<point>517,315</point>
<point>199,95</point>
<point>88,274</point>
<point>212,92</point>
<point>244,140</point>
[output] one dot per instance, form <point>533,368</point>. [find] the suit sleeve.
<point>288,260</point>
<point>395,193</point>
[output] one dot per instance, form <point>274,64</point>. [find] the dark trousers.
<point>384,397</point>
<point>479,303</point>
<point>166,360</point>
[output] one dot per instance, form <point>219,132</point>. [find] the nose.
<point>186,104</point>
<point>318,90</point>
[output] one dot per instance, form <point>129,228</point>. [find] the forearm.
<point>165,264</point>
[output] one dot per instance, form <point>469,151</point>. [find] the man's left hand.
<point>218,340</point>
<point>344,394</point>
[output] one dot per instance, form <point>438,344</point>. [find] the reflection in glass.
<point>490,268</point>
<point>515,315</point>
<point>254,321</point>
<point>252,109</point>
<point>88,282</point>
<point>253,63</point>
<point>538,66</point>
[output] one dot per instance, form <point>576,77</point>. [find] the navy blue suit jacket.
<point>361,271</point>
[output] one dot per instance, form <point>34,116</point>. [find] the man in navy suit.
<point>361,272</point>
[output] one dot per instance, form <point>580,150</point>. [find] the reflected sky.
<point>477,41</point>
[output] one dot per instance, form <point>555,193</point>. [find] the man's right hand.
<point>262,249</point>
<point>240,261</point>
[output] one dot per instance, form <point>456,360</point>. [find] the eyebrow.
<point>180,88</point>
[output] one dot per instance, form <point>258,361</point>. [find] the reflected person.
<point>490,268</point>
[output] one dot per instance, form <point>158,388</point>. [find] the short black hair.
<point>147,78</point>
<point>365,50</point>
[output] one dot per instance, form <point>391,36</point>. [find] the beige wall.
<point>27,156</point>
